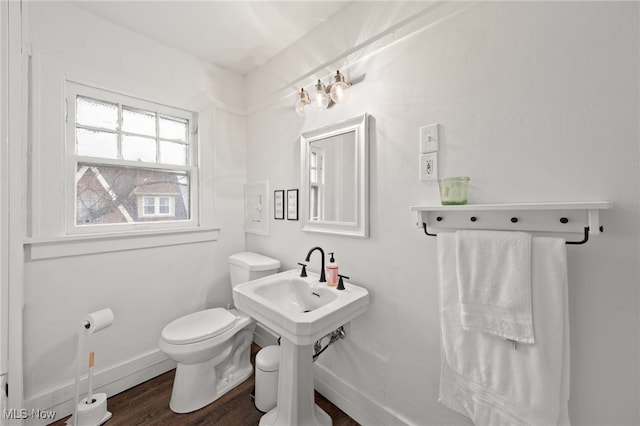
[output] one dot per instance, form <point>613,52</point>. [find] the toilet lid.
<point>198,326</point>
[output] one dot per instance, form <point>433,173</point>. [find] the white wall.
<point>538,101</point>
<point>145,287</point>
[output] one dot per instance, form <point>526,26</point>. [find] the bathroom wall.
<point>146,284</point>
<point>537,101</point>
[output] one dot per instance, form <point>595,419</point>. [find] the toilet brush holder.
<point>94,413</point>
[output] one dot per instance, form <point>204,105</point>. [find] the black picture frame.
<point>292,204</point>
<point>278,204</point>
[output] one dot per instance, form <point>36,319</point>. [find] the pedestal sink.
<point>301,310</point>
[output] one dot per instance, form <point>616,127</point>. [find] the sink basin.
<point>301,310</point>
<point>296,295</point>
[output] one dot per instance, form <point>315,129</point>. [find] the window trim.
<point>73,89</point>
<point>81,245</point>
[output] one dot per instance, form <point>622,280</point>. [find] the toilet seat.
<point>198,326</point>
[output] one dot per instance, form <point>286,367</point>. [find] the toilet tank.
<point>249,266</point>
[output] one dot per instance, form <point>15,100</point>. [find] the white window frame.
<point>72,90</point>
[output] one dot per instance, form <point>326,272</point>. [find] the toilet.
<point>212,347</point>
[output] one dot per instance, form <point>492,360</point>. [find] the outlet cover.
<point>429,138</point>
<point>429,166</point>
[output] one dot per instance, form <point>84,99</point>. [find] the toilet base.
<point>206,390</point>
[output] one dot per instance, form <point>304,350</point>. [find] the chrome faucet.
<point>322,277</point>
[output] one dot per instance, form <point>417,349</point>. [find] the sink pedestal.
<point>296,399</point>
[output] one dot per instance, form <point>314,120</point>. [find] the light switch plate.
<point>256,206</point>
<point>429,166</point>
<point>429,138</point>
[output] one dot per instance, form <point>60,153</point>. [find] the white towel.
<point>485,378</point>
<point>494,283</point>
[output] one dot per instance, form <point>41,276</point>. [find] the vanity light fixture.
<point>325,96</point>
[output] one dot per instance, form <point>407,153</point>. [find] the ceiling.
<point>236,35</point>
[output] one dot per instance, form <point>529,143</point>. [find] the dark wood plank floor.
<point>148,404</point>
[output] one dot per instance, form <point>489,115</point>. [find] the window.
<point>316,183</point>
<point>133,161</point>
<point>157,206</point>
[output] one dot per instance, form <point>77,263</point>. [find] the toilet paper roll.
<point>98,320</point>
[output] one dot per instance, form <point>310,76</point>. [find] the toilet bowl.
<point>212,347</point>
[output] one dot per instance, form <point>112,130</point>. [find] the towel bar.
<point>583,241</point>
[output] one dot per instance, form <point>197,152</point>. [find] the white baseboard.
<point>361,408</point>
<point>111,381</point>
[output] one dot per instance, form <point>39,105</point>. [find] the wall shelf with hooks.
<point>565,218</point>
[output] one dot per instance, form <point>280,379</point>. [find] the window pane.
<point>149,205</point>
<point>173,128</point>
<point>107,194</point>
<point>313,202</point>
<point>173,153</point>
<point>164,206</point>
<point>138,121</point>
<point>93,143</point>
<point>137,148</point>
<point>94,113</point>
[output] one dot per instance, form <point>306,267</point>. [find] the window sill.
<point>78,245</point>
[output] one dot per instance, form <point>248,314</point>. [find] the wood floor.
<point>148,404</point>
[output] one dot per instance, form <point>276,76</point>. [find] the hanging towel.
<point>494,283</point>
<point>485,378</point>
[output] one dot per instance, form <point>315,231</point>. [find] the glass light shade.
<point>302,102</point>
<point>321,99</point>
<point>340,92</point>
<point>300,108</point>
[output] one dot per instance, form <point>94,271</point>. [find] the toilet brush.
<point>90,391</point>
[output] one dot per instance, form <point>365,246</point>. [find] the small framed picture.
<point>278,204</point>
<point>292,204</point>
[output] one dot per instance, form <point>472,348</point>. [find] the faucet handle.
<point>303,273</point>
<point>340,283</point>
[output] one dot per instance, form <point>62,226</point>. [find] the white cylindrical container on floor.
<point>267,366</point>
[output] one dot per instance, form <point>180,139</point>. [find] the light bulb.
<point>321,100</point>
<point>340,91</point>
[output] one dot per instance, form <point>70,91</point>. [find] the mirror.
<point>335,178</point>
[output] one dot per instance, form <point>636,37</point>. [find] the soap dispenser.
<point>332,271</point>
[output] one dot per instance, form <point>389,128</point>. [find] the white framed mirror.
<point>335,178</point>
